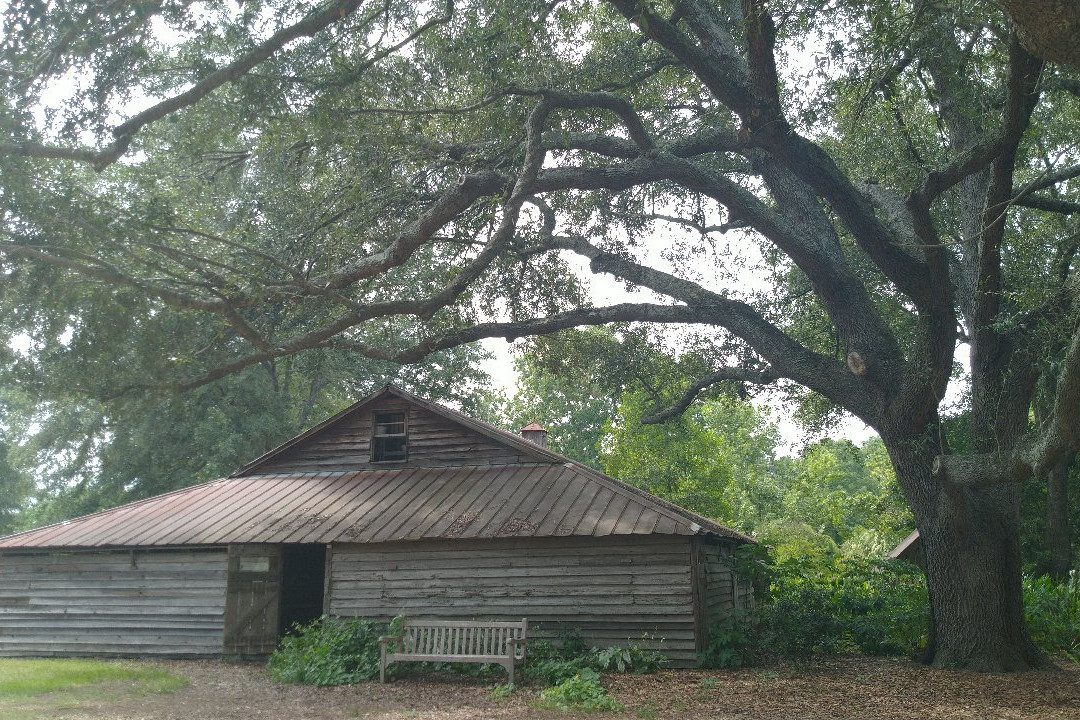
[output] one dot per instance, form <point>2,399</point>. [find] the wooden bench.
<point>468,641</point>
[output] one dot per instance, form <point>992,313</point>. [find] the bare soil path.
<point>849,688</point>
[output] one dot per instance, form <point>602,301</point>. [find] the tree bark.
<point>971,543</point>
<point>972,547</point>
<point>1058,540</point>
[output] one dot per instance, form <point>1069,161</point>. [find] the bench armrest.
<point>385,640</point>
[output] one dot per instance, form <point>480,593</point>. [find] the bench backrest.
<point>455,638</point>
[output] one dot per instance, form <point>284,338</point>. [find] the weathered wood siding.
<point>614,589</point>
<point>112,602</point>
<point>723,591</point>
<point>433,441</point>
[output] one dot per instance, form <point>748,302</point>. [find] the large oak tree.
<point>864,186</point>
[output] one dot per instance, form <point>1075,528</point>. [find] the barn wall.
<point>433,441</point>
<point>614,589</point>
<point>723,591</point>
<point>112,602</point>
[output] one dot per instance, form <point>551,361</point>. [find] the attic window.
<point>388,440</point>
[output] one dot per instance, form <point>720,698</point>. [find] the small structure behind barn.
<point>395,505</point>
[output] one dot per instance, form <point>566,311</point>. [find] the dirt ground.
<point>861,688</point>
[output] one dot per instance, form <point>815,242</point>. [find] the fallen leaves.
<point>844,688</point>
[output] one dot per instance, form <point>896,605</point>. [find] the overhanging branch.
<point>759,377</point>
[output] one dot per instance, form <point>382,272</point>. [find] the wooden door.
<point>253,600</point>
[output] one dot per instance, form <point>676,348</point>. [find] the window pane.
<point>389,424</point>
<point>388,442</point>
<point>388,448</point>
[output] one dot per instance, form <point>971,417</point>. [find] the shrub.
<point>583,691</point>
<point>571,641</point>
<point>883,605</point>
<point>869,605</point>
<point>1052,611</point>
<point>552,671</point>
<point>501,692</point>
<point>328,652</point>
<point>635,658</point>
<point>551,665</point>
<point>801,622</point>
<point>729,642</point>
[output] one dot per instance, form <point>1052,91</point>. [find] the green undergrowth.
<point>582,691</point>
<point>868,606</point>
<point>1052,611</point>
<point>328,652</point>
<point>339,652</point>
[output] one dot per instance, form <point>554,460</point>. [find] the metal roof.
<point>482,501</point>
<point>554,496</point>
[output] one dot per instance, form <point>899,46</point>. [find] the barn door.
<point>253,599</point>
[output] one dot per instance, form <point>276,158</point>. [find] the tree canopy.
<point>825,195</point>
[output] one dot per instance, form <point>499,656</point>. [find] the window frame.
<point>376,437</point>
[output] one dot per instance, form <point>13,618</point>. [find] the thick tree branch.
<point>785,356</point>
<point>1039,202</point>
<point>759,377</point>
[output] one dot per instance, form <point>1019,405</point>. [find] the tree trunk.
<point>971,543</point>
<point>972,548</point>
<point>1058,540</point>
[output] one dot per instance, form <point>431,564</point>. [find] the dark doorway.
<point>303,571</point>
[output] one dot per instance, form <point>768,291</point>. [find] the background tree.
<point>362,166</point>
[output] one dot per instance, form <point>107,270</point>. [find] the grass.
<point>47,688</point>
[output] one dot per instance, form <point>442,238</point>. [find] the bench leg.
<point>510,670</point>
<point>382,664</point>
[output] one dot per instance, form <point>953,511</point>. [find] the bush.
<point>1052,611</point>
<point>729,643</point>
<point>801,622</point>
<point>636,658</point>
<point>552,671</point>
<point>501,692</point>
<point>583,691</point>
<point>884,606</point>
<point>869,605</point>
<point>551,665</point>
<point>328,652</point>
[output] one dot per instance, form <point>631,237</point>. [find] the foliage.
<point>635,658</point>
<point>829,197</point>
<point>582,691</point>
<point>1052,611</point>
<point>873,606</point>
<point>328,651</point>
<point>552,671</point>
<point>680,460</point>
<point>503,691</point>
<point>550,664</point>
<point>728,643</point>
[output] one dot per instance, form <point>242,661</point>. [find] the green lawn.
<point>56,688</point>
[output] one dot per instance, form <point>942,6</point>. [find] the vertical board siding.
<point>253,599</point>
<point>433,441</point>
<point>112,602</point>
<point>613,589</point>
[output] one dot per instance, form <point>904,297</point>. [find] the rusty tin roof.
<point>553,497</point>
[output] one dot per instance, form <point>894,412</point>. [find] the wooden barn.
<point>394,505</point>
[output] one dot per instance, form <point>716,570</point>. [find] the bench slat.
<point>497,641</point>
